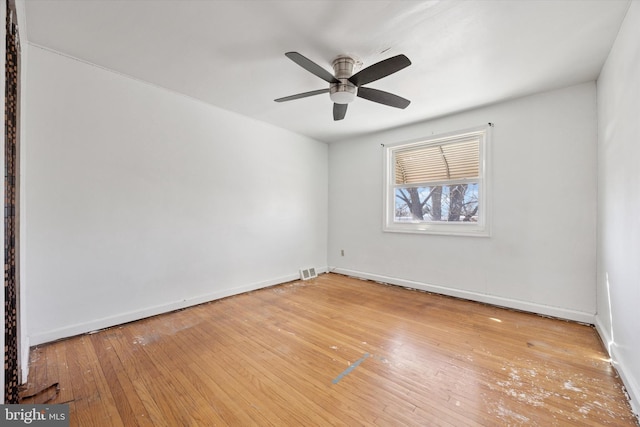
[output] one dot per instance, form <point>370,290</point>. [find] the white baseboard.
<point>559,312</point>
<point>118,319</point>
<point>630,384</point>
<point>24,359</point>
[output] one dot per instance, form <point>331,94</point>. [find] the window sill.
<point>470,230</point>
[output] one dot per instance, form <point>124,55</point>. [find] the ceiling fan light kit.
<point>344,91</point>
<point>344,86</point>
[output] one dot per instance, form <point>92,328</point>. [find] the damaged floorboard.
<point>336,351</point>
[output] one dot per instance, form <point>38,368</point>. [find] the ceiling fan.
<point>345,86</point>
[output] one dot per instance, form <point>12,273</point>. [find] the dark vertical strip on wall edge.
<point>10,202</point>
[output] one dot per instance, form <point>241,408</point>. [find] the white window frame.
<point>480,228</point>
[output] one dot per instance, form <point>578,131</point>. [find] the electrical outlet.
<point>341,252</point>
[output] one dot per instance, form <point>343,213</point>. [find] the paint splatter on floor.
<point>351,367</point>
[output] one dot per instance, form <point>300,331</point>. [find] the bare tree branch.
<point>468,216</point>
<point>429,196</point>
<point>404,197</point>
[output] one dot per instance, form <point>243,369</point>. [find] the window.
<point>438,185</point>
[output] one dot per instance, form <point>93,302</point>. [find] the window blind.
<point>438,162</point>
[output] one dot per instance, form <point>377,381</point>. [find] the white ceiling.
<point>231,53</point>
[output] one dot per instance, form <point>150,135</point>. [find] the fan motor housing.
<point>345,91</point>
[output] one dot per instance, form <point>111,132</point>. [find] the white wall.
<point>141,200</point>
<point>22,259</point>
<point>541,255</point>
<point>618,282</point>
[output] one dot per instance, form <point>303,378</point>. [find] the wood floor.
<point>336,351</point>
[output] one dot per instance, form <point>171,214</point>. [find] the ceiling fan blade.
<point>339,111</point>
<point>379,70</point>
<point>302,95</point>
<point>382,97</point>
<point>311,67</point>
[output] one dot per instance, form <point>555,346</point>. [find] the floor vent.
<point>308,273</point>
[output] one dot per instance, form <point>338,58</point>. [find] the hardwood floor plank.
<point>38,375</point>
<point>254,362</point>
<point>222,399</point>
<point>89,402</point>
<point>171,360</point>
<point>314,365</point>
<point>355,397</point>
<point>168,397</point>
<point>132,369</point>
<point>59,354</point>
<point>337,351</point>
<point>131,409</point>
